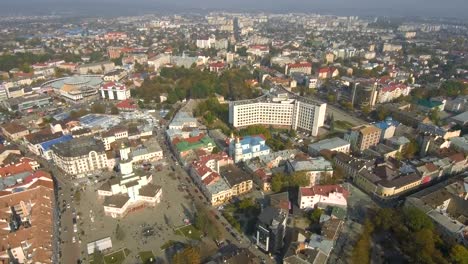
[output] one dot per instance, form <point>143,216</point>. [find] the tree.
<point>98,257</point>
<point>314,216</point>
<point>366,109</point>
<point>411,149</point>
<point>277,183</point>
<point>188,255</point>
<point>119,233</point>
<point>435,116</point>
<point>361,251</point>
<point>459,254</point>
<point>98,108</point>
<point>417,220</point>
<point>114,110</point>
<point>215,150</point>
<point>382,113</point>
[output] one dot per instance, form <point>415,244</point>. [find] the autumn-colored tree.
<point>189,255</point>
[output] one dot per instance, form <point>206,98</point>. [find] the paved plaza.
<point>175,206</point>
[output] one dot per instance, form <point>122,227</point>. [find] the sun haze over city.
<point>216,131</point>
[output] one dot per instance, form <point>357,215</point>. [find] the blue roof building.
<point>248,147</point>
<point>45,146</point>
<point>388,127</point>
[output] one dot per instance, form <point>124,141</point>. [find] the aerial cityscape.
<point>209,134</point>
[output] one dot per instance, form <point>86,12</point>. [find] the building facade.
<point>80,156</point>
<point>283,109</point>
<point>114,91</point>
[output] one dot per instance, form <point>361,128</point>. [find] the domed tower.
<point>237,150</point>
<point>126,164</point>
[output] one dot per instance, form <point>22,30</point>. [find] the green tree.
<point>277,183</point>
<point>98,108</point>
<point>459,254</point>
<point>114,110</point>
<point>98,257</point>
<point>417,220</point>
<point>315,215</point>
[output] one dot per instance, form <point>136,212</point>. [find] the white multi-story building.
<point>321,196</point>
<point>132,190</point>
<point>283,109</point>
<point>302,67</point>
<point>114,91</point>
<point>392,91</point>
<point>158,61</point>
<point>80,156</point>
<point>206,43</point>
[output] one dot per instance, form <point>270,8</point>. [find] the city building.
<point>27,102</point>
<point>271,229</point>
<point>279,108</point>
<point>96,68</point>
<point>130,191</point>
<point>333,144</point>
<point>316,169</point>
<point>258,50</point>
<point>387,127</point>
<point>28,221</point>
<point>248,147</point>
<point>301,67</point>
<point>446,206</point>
<point>80,156</point>
<point>114,91</point>
<point>218,179</point>
<point>75,88</point>
<point>363,137</point>
<point>392,91</point>
<point>40,143</point>
<point>322,196</point>
<point>14,131</point>
<point>115,75</point>
<point>460,144</point>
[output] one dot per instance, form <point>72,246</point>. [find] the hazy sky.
<point>444,8</point>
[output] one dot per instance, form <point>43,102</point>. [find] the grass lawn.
<point>146,255</point>
<point>117,257</point>
<point>343,125</point>
<point>189,231</point>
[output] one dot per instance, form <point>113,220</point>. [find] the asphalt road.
<point>65,250</point>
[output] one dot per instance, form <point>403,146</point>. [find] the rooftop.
<point>78,147</point>
<point>330,143</point>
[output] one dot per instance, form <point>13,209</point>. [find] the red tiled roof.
<point>126,104</point>
<point>259,47</point>
<point>323,70</point>
<point>457,157</point>
<point>16,168</point>
<point>189,139</point>
<point>111,85</point>
<point>300,65</point>
<point>392,87</point>
<point>323,190</point>
<point>217,65</point>
<point>431,167</point>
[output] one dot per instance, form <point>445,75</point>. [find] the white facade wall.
<point>297,114</point>
<point>333,199</point>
